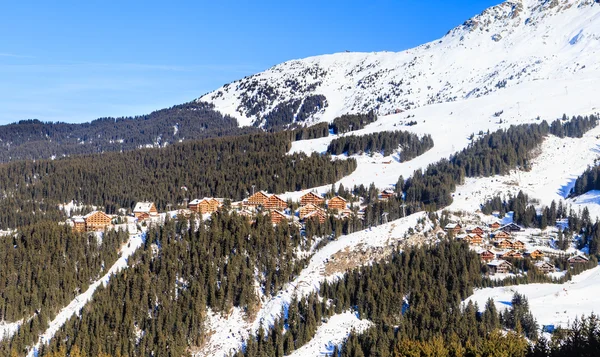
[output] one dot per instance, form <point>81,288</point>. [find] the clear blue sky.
<point>76,61</point>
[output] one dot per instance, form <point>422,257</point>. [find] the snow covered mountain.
<point>516,42</point>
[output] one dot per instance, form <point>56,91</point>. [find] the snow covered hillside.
<point>508,45</point>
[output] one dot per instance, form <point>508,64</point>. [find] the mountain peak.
<point>506,45</point>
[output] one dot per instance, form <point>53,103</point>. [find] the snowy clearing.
<point>333,333</point>
<point>551,304</point>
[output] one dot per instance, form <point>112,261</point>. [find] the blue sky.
<point>75,61</point>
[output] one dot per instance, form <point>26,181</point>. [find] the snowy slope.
<point>516,42</point>
<point>551,304</point>
<point>134,242</point>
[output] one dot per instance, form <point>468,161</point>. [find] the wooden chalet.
<point>518,245</point>
<point>545,267</point>
<point>477,230</point>
<point>387,194</point>
<point>206,205</point>
<point>453,227</point>
<point>306,210</point>
<point>277,216</point>
<point>511,227</point>
<point>474,239</point>
<point>96,221</point>
<point>505,244</point>
<point>512,254</point>
<point>499,266</point>
<point>319,215</point>
<point>257,199</point>
<point>78,224</point>
<point>578,259</point>
<point>337,203</point>
<point>144,210</point>
<point>311,198</point>
<point>536,254</point>
<point>275,202</point>
<point>487,255</point>
<point>495,226</point>
<point>501,235</point>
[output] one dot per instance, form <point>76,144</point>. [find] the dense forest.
<point>221,167</point>
<point>408,145</point>
<point>293,111</point>
<point>352,122</point>
<point>33,139</point>
<point>45,265</point>
<point>181,270</point>
<point>587,181</point>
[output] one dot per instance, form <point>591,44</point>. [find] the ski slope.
<point>551,304</point>
<point>75,306</point>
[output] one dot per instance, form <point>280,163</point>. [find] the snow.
<point>333,333</point>
<point>516,44</point>
<point>230,332</point>
<point>7,329</point>
<point>551,304</point>
<point>75,306</point>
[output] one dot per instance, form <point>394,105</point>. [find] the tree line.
<point>408,145</point>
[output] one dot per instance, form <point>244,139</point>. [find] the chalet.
<point>495,226</point>
<point>277,216</point>
<point>387,194</point>
<point>477,230</point>
<point>78,224</point>
<point>311,198</point>
<point>501,235</point>
<point>319,215</point>
<point>96,221</point>
<point>275,202</point>
<point>487,255</point>
<point>504,244</point>
<point>518,245</point>
<point>306,210</point>
<point>512,254</point>
<point>511,227</point>
<point>499,266</point>
<point>144,210</point>
<point>337,203</point>
<point>257,199</point>
<point>578,259</point>
<point>545,267</point>
<point>474,239</point>
<point>453,227</point>
<point>206,205</point>
<point>536,254</point>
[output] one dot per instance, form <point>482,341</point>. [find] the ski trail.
<point>134,242</point>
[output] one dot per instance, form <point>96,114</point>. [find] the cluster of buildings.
<point>497,243</point>
<point>97,221</point>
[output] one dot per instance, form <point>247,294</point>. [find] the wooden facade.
<point>387,194</point>
<point>474,239</point>
<point>505,244</point>
<point>206,205</point>
<point>487,256</point>
<point>545,267</point>
<point>277,216</point>
<point>78,224</point>
<point>144,210</point>
<point>97,221</point>
<point>311,198</point>
<point>319,215</point>
<point>499,266</point>
<point>308,209</point>
<point>477,230</point>
<point>578,259</point>
<point>501,236</point>
<point>337,203</point>
<point>495,225</point>
<point>536,254</point>
<point>257,199</point>
<point>512,254</point>
<point>518,245</point>
<point>275,202</point>
<point>453,227</point>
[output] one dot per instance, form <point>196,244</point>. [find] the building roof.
<point>143,207</point>
<point>542,263</point>
<point>339,198</point>
<point>78,219</point>
<point>311,193</point>
<point>452,225</point>
<point>194,202</point>
<point>579,256</point>
<point>93,213</point>
<point>498,262</point>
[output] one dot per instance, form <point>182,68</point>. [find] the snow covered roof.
<point>452,226</point>
<point>498,262</point>
<point>143,207</point>
<point>93,213</point>
<point>195,202</point>
<point>78,219</point>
